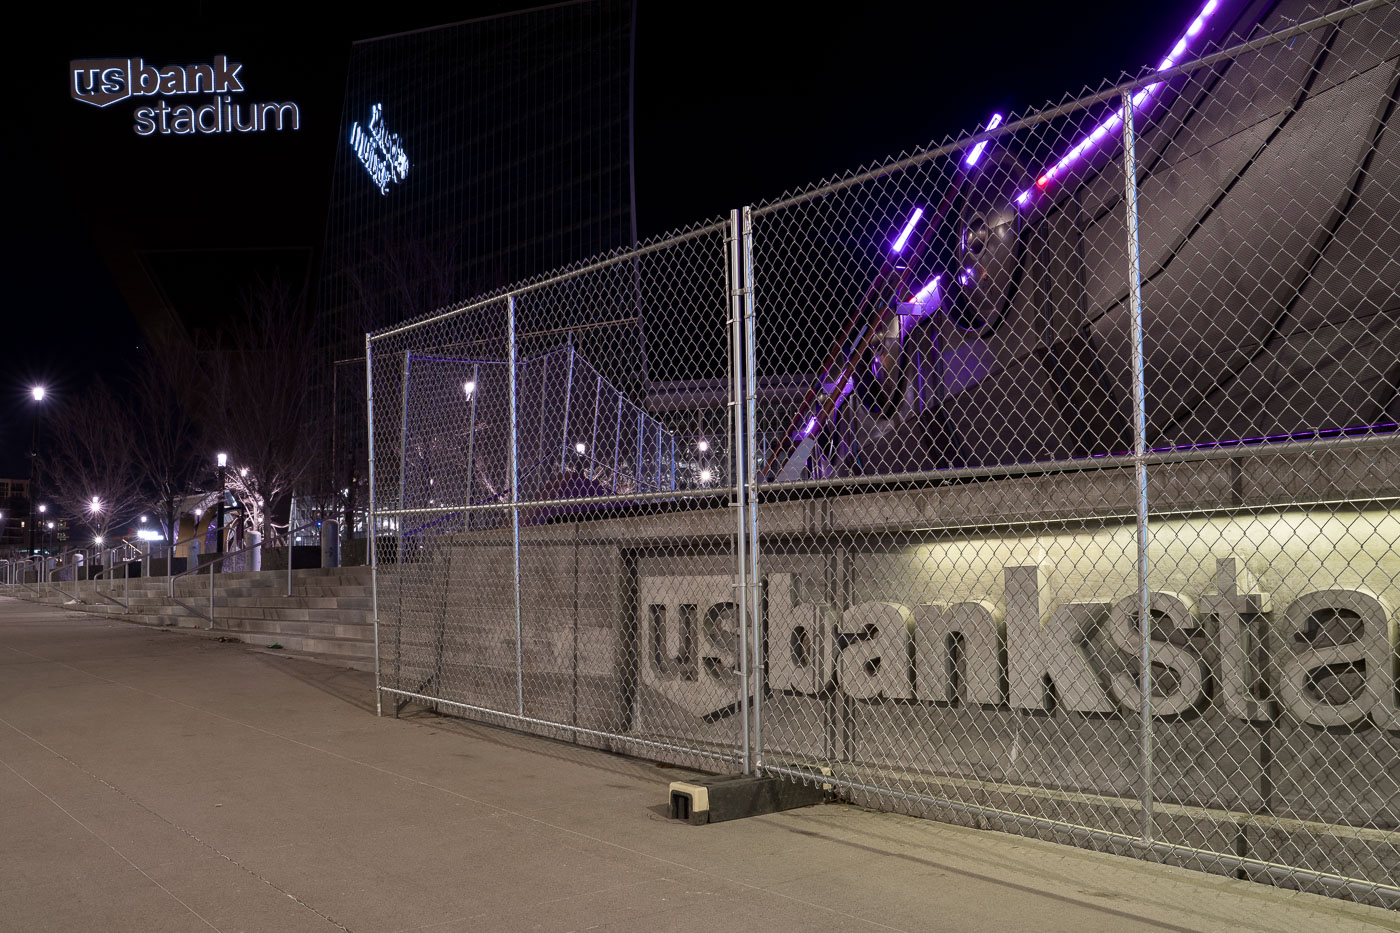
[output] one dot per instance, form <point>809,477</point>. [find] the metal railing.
<point>216,560</point>
<point>1073,512</point>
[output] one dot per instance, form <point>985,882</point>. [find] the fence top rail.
<point>960,143</point>
<point>554,277</point>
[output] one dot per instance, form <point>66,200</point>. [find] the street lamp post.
<point>223,487</point>
<point>37,394</point>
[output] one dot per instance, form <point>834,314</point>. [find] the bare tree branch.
<point>91,470</point>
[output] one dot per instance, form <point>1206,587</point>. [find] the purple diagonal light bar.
<point>908,229</point>
<point>976,152</point>
<point>1116,119</point>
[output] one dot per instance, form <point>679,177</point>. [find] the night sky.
<point>735,102</point>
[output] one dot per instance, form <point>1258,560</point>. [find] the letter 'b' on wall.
<point>800,656</point>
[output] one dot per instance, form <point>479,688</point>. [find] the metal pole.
<point>1139,462</point>
<point>617,442</point>
<point>593,440</point>
<point>515,506</point>
<point>211,594</point>
<point>740,528</point>
<point>568,400</point>
<point>403,446</point>
<point>291,540</point>
<point>223,495</point>
<point>750,446</point>
<point>471,439</point>
<point>373,542</point>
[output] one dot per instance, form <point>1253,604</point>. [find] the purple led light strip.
<point>1116,119</point>
<point>976,152</point>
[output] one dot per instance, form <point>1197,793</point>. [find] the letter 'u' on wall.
<point>876,665</point>
<point>980,633</point>
<point>800,656</point>
<point>1328,633</point>
<point>1041,645</point>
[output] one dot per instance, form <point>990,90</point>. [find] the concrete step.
<point>305,644</point>
<point>353,631</point>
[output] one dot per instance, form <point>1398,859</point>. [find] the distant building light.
<point>146,534</point>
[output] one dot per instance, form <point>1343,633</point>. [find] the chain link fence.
<point>1044,480</point>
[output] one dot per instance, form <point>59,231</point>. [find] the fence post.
<point>751,482</point>
<point>471,440</point>
<point>373,543</point>
<point>1139,463</point>
<point>291,539</point>
<point>515,506</point>
<point>741,525</point>
<point>568,400</point>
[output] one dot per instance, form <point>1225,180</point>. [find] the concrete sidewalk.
<point>150,781</point>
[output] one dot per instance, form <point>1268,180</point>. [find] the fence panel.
<point>937,551</point>
<point>442,501</point>
<point>992,477</point>
<point>627,579</point>
<point>1269,230</point>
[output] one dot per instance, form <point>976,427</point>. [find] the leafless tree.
<point>164,433</point>
<point>258,379</point>
<point>91,469</point>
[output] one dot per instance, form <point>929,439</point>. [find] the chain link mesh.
<point>1044,480</point>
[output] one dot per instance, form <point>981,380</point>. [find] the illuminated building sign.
<point>102,82</point>
<point>379,151</point>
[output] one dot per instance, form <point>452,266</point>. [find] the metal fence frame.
<point>747,490</point>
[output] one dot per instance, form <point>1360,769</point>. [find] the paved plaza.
<point>155,781</point>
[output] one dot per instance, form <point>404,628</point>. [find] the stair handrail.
<point>124,543</point>
<point>219,559</point>
<point>47,575</point>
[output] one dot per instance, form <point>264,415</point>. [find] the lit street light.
<point>223,487</point>
<point>37,394</point>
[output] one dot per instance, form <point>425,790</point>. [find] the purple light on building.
<point>976,152</point>
<point>1116,119</point>
<point>903,237</point>
<point>928,291</point>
